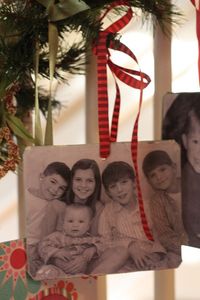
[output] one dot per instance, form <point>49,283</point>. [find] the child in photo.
<point>165,204</point>
<point>61,247</point>
<point>191,178</point>
<point>182,122</point>
<point>86,187</point>
<point>121,223</point>
<point>45,210</point>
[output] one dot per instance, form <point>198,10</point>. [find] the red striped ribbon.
<point>134,151</point>
<point>129,77</point>
<point>196,3</point>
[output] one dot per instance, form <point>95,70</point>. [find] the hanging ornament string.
<point>134,151</point>
<point>53,49</point>
<point>38,126</point>
<point>103,58</point>
<point>196,3</point>
<point>101,50</point>
<point>56,10</point>
<point>138,84</point>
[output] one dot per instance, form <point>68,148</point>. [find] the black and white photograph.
<point>161,186</point>
<point>83,215</point>
<point>181,122</point>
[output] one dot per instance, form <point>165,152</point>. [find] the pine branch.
<point>24,22</point>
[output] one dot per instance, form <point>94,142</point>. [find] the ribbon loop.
<point>100,49</point>
<point>123,74</point>
<point>128,76</point>
<point>121,23</point>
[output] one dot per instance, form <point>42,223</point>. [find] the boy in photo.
<point>45,209</point>
<point>121,223</point>
<point>165,204</point>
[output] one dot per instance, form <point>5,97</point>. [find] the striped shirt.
<point>166,216</point>
<point>115,220</point>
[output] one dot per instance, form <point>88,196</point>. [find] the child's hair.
<point>178,118</point>
<point>78,206</point>
<point>84,164</point>
<point>115,171</point>
<point>155,159</point>
<point>175,120</point>
<point>188,124</point>
<point>59,168</point>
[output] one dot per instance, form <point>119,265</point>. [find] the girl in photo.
<point>86,188</point>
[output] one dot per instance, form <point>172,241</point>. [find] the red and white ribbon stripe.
<point>133,78</point>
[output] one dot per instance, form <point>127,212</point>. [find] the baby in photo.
<point>61,247</point>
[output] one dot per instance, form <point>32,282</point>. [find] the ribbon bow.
<point>129,77</point>
<point>102,52</point>
<point>63,9</point>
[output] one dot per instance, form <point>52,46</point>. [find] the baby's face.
<point>162,177</point>
<point>77,221</point>
<point>191,142</point>
<point>122,191</point>
<point>52,186</point>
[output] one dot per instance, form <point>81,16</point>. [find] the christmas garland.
<point>24,25</point>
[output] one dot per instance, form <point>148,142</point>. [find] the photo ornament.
<point>83,216</point>
<point>181,122</point>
